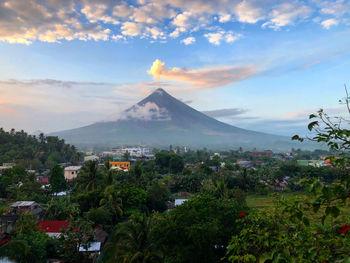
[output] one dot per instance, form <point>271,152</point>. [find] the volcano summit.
<point>160,120</point>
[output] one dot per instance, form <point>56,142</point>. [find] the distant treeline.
<point>35,151</point>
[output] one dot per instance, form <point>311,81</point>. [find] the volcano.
<point>161,120</point>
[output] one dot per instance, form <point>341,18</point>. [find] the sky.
<point>257,64</point>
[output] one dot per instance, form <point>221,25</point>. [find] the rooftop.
<point>53,226</point>
<point>23,203</point>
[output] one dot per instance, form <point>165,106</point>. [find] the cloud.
<point>47,21</point>
<point>203,78</point>
<point>327,24</point>
<point>336,8</point>
<point>131,29</point>
<point>304,114</point>
<point>223,18</point>
<point>5,110</point>
<point>287,14</point>
<point>249,12</point>
<point>188,41</point>
<point>216,37</point>
<point>57,104</point>
<point>55,21</point>
<point>225,112</point>
<point>52,82</point>
<point>147,112</point>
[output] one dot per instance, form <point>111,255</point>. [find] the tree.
<point>112,201</point>
<point>89,176</point>
<point>176,164</point>
<point>132,243</point>
<point>57,181</point>
<point>28,244</point>
<point>30,247</point>
<point>78,234</point>
<point>198,230</point>
<point>308,228</point>
<point>126,156</point>
<point>157,195</point>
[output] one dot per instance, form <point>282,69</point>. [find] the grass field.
<point>267,202</point>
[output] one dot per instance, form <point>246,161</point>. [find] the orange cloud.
<point>8,111</point>
<point>203,78</point>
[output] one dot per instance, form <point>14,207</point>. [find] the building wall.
<point>70,174</point>
<point>125,165</point>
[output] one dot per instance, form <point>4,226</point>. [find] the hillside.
<point>160,120</point>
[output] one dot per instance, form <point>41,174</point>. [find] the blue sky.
<point>263,65</point>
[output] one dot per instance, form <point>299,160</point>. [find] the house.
<point>119,165</point>
<point>245,163</point>
<point>180,201</point>
<point>71,172</point>
<point>91,158</point>
<point>93,247</point>
<point>53,228</point>
<point>314,163</point>
<point>43,179</point>
<point>9,218</point>
<point>261,154</point>
<point>6,166</point>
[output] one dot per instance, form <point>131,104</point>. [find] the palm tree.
<point>112,202</point>
<point>131,242</point>
<point>89,176</point>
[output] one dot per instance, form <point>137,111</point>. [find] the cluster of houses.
<point>137,152</point>
<point>51,228</point>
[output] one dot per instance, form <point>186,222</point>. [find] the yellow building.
<point>121,165</point>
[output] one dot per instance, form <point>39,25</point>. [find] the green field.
<point>267,202</point>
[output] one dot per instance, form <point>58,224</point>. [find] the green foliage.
<point>133,198</point>
<point>157,195</point>
<point>79,233</point>
<point>198,230</point>
<point>57,181</point>
<point>89,177</point>
<point>35,152</point>
<point>169,162</point>
<point>25,224</point>
<point>28,247</point>
<point>276,237</point>
<point>61,208</point>
<point>132,242</point>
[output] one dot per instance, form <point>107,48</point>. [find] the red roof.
<point>4,241</point>
<point>53,226</point>
<point>44,180</point>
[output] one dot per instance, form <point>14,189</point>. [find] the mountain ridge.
<point>160,120</point>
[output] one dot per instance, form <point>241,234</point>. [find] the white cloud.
<point>154,33</point>
<point>327,24</point>
<point>54,21</point>
<point>223,18</point>
<point>131,29</point>
<point>247,12</point>
<point>217,37</point>
<point>336,8</point>
<point>148,111</point>
<point>123,11</point>
<point>188,40</point>
<point>287,14</point>
<point>95,12</point>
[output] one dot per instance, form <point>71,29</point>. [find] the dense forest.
<point>35,152</point>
